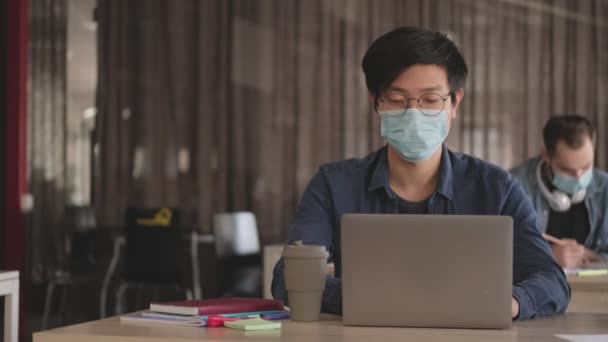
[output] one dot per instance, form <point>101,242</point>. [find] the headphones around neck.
<point>558,200</point>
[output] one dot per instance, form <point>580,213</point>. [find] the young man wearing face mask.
<point>569,194</point>
<point>415,78</point>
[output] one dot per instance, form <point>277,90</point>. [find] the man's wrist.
<point>514,307</point>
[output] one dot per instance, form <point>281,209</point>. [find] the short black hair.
<point>403,47</point>
<point>570,128</point>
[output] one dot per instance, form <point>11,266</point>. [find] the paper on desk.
<point>583,338</point>
<point>584,268</point>
<point>253,324</point>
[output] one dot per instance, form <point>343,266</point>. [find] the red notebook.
<point>217,306</point>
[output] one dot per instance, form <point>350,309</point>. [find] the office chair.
<point>153,255</point>
<point>82,251</point>
<point>237,247</point>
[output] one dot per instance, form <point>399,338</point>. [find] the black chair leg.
<point>63,310</point>
<point>48,302</point>
<point>119,306</point>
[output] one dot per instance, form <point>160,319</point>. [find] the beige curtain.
<point>222,105</point>
<point>163,110</point>
<point>47,135</point>
<point>529,60</point>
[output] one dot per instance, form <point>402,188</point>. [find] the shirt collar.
<point>445,183</point>
<point>379,178</point>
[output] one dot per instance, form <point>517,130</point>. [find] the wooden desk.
<point>330,329</point>
<point>589,294</point>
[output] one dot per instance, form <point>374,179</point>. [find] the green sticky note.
<point>253,324</point>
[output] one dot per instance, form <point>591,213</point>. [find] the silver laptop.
<point>448,271</point>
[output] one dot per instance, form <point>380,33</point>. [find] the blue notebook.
<point>141,318</point>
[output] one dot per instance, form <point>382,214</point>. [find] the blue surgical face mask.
<point>414,135</point>
<point>572,185</point>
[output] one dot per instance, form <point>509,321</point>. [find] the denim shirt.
<point>466,186</point>
<point>596,202</point>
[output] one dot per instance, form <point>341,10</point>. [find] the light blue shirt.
<point>596,203</point>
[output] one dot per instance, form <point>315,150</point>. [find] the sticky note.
<point>592,272</point>
<point>253,324</point>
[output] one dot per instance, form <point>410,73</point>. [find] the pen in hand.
<point>553,239</point>
<point>569,253</point>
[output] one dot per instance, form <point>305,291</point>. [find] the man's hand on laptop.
<point>514,307</point>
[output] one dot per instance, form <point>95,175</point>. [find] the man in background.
<point>569,194</point>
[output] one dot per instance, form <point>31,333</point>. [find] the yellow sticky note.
<point>598,272</point>
<point>253,324</point>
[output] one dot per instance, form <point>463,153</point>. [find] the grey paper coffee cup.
<point>305,274</point>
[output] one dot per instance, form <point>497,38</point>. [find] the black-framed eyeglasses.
<point>430,104</point>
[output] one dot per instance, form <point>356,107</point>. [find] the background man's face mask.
<point>572,185</point>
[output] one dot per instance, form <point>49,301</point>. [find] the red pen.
<point>218,321</point>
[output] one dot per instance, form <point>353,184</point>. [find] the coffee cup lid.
<point>305,251</point>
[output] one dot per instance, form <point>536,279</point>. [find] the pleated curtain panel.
<point>230,105</point>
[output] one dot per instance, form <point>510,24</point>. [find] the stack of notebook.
<point>237,313</point>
